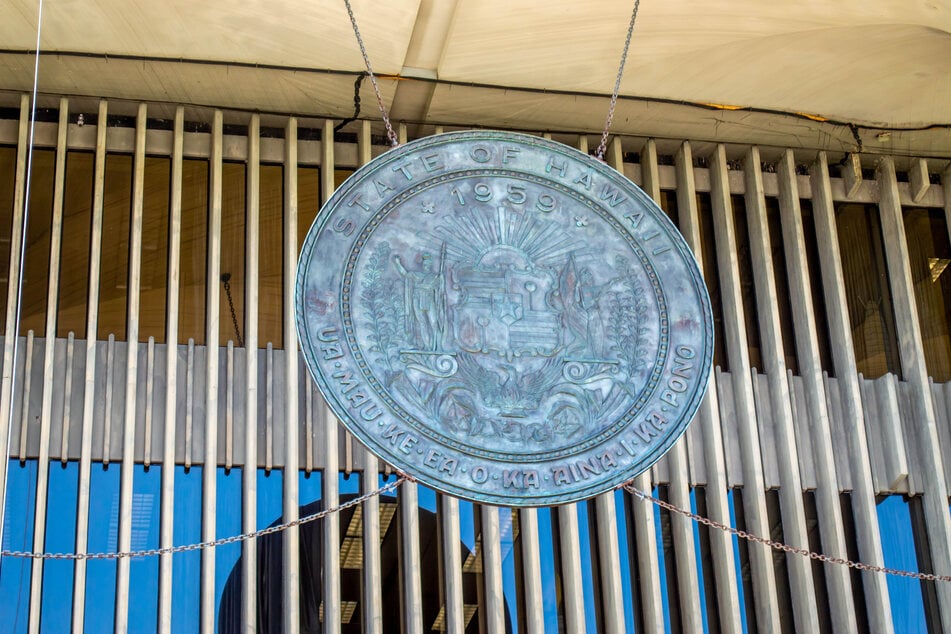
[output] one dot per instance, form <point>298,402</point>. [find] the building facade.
<point>155,395</point>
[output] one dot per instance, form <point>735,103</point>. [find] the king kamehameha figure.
<point>424,301</point>
<point>512,333</point>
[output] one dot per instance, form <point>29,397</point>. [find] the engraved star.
<point>427,207</point>
<point>581,221</point>
<point>508,309</point>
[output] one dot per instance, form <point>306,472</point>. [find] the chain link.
<point>921,576</point>
<point>603,146</point>
<point>390,134</point>
<point>212,543</point>
<point>857,565</point>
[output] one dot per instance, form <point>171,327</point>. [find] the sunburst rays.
<point>471,236</point>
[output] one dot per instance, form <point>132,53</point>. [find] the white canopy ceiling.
<point>877,64</point>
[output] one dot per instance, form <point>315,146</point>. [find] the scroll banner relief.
<point>503,317</point>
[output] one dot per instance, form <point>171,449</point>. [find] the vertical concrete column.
<point>531,570</point>
<point>911,349</point>
<point>167,522</point>
<point>89,384</point>
<point>52,299</point>
<point>372,603</point>
<point>831,529</point>
<point>331,483</point>
<point>291,541</point>
<point>802,588</point>
<point>685,552</point>
<point>209,472</point>
<point>843,358</point>
<point>708,417</point>
<point>127,470</point>
<point>754,500</point>
<point>612,603</point>
<point>249,476</point>
<point>452,560</point>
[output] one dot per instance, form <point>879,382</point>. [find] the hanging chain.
<point>617,85</point>
<point>222,541</point>
<point>226,281</point>
<point>857,565</point>
<point>390,134</point>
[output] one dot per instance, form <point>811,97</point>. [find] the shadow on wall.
<point>270,575</point>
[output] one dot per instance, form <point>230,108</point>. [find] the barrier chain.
<point>221,541</point>
<point>706,521</point>
<point>857,565</point>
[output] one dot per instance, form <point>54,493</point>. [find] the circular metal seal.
<point>503,317</point>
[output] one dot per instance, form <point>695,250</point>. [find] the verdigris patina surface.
<point>503,317</point>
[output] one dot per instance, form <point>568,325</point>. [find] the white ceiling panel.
<point>519,64</point>
<point>848,60</point>
<point>310,34</point>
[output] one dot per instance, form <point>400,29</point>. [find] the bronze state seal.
<point>503,317</point>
